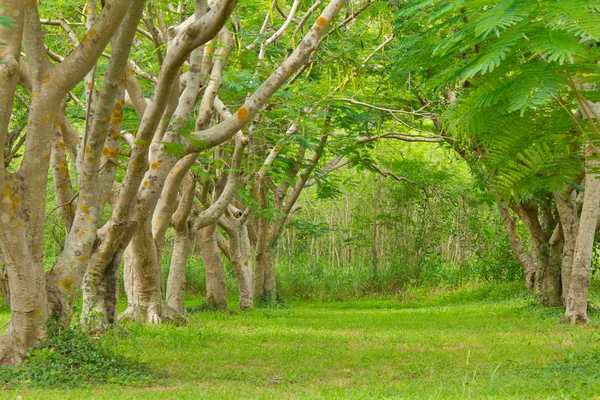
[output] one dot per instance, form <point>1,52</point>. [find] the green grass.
<point>480,342</point>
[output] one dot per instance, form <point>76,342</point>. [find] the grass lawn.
<point>479,343</point>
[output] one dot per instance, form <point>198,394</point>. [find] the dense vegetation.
<point>365,181</point>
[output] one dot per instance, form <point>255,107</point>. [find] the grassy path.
<point>470,345</point>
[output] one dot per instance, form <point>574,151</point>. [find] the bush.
<point>71,358</point>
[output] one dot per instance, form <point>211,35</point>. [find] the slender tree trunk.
<point>216,284</point>
<point>182,248</point>
<point>244,271</point>
<point>375,234</point>
<point>525,259</point>
<point>577,298</point>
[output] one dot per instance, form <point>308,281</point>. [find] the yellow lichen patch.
<point>46,78</point>
<point>85,209</point>
<point>62,169</point>
<point>114,152</point>
<point>288,72</point>
<point>82,259</point>
<point>30,122</point>
<point>88,85</point>
<point>47,157</point>
<point>146,183</point>
<point>88,149</point>
<point>116,120</point>
<point>18,224</point>
<point>92,32</point>
<point>243,114</point>
<point>67,284</point>
<point>114,133</point>
<point>61,145</point>
<point>105,152</point>
<point>322,21</point>
<point>33,94</point>
<point>156,164</point>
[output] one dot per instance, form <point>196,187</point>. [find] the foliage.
<point>512,65</point>
<point>71,358</point>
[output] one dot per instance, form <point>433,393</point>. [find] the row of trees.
<point>211,120</point>
<point>117,192</point>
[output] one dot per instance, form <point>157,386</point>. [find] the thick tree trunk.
<point>577,298</point>
<point>144,281</point>
<point>26,277</point>
<point>216,284</point>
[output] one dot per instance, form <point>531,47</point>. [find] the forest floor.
<point>488,342</point>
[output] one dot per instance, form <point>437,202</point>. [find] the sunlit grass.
<point>482,342</point>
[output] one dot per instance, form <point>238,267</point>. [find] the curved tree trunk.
<point>525,259</point>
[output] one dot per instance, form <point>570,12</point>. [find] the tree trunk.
<point>567,211</point>
<point>26,276</point>
<point>238,251</point>
<point>144,280</point>
<point>265,283</point>
<point>182,248</point>
<point>525,259</point>
<point>577,298</point>
<point>244,271</point>
<point>551,289</point>
<point>216,284</point>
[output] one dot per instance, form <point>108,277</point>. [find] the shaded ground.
<point>486,342</point>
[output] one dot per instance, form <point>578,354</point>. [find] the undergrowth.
<point>71,358</point>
